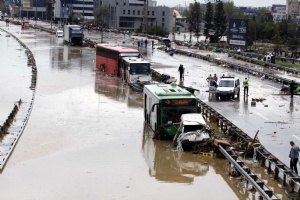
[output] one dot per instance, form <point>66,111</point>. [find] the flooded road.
<point>86,139</point>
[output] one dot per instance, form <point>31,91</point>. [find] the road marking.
<point>261,115</point>
<point>273,87</point>
<point>296,137</point>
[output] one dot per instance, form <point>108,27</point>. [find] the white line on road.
<point>272,87</point>
<point>261,115</point>
<point>296,137</point>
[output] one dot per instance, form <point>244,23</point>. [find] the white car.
<point>59,33</point>
<point>228,86</point>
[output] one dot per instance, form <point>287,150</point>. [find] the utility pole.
<point>145,20</point>
<point>35,12</point>
<point>83,11</point>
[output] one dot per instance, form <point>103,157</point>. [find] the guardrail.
<point>239,67</point>
<point>246,172</point>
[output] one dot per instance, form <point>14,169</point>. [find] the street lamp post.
<point>83,11</point>
<point>35,12</point>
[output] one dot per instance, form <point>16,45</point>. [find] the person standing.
<point>146,43</point>
<point>246,86</point>
<point>209,78</point>
<point>138,43</point>
<point>294,155</point>
<point>292,87</point>
<point>215,78</point>
<point>152,44</point>
<point>181,71</point>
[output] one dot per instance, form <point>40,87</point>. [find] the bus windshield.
<point>173,114</point>
<point>140,68</point>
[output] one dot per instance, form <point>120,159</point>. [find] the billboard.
<point>238,32</point>
<point>26,3</point>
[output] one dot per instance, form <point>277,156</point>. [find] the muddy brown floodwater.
<point>86,137</point>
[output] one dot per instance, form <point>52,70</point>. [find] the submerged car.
<point>192,130</point>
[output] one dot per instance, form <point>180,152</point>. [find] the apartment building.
<point>292,8</point>
<point>129,14</point>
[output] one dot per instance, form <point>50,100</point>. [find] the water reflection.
<point>168,165</point>
<point>115,88</point>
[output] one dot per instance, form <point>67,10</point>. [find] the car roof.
<point>193,119</point>
<point>229,78</point>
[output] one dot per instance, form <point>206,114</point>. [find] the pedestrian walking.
<point>181,72</point>
<point>246,86</point>
<point>292,87</point>
<point>152,44</point>
<point>91,27</point>
<point>146,43</point>
<point>294,155</point>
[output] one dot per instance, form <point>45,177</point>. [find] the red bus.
<point>109,57</point>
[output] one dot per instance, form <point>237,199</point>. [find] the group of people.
<point>141,43</point>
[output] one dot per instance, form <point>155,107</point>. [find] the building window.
<point>148,12</point>
<point>163,19</point>
<point>117,3</point>
<point>123,12</point>
<point>133,12</point>
<point>151,24</point>
<point>128,12</point>
<point>163,14</point>
<point>139,12</point>
<point>163,25</point>
<point>153,13</point>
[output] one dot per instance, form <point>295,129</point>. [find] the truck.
<point>73,34</point>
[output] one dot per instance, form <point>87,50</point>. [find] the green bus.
<point>163,106</point>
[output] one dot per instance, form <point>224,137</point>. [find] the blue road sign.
<point>238,32</point>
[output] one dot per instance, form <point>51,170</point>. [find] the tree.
<point>231,11</point>
<point>196,18</point>
<point>220,21</point>
<point>208,18</point>
<point>101,16</point>
<point>76,18</point>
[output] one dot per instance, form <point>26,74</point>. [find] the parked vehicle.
<point>59,33</point>
<point>228,87</point>
<point>166,41</point>
<point>193,130</point>
<point>163,106</point>
<point>73,34</point>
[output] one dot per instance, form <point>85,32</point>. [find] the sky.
<point>254,3</point>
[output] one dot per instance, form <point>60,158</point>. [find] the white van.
<point>228,87</point>
<point>59,33</point>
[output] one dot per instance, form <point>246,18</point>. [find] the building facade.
<point>278,13</point>
<point>292,8</point>
<point>129,14</point>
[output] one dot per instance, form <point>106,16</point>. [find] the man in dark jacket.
<point>181,71</point>
<point>292,86</point>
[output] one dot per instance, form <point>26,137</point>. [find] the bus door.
<point>154,116</point>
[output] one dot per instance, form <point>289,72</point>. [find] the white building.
<point>279,14</point>
<point>129,14</point>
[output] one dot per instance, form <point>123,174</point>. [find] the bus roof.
<point>117,48</point>
<point>134,60</point>
<point>169,91</point>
